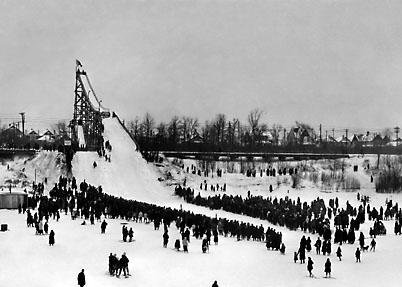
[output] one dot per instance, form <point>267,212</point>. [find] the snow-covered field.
<point>26,259</point>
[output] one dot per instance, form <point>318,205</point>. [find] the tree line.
<point>220,131</point>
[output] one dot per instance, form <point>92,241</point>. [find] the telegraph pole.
<point>23,124</point>
<point>397,134</point>
<point>320,134</point>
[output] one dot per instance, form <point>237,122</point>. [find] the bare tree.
<point>162,131</point>
<point>174,130</point>
<point>61,128</point>
<point>188,127</point>
<point>256,129</point>
<point>276,131</point>
<point>148,125</point>
<point>220,125</point>
<point>305,127</point>
<point>135,127</point>
<point>207,132</point>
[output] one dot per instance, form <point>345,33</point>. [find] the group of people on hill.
<point>117,265</point>
<point>85,200</point>
<point>283,212</point>
<point>40,227</point>
<point>82,200</point>
<point>104,151</point>
<point>126,232</point>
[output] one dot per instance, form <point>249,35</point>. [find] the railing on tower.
<point>87,118</point>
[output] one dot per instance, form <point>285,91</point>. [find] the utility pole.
<point>346,136</point>
<point>320,135</point>
<point>284,135</point>
<point>23,124</point>
<point>397,134</point>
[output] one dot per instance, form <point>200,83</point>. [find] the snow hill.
<point>26,259</point>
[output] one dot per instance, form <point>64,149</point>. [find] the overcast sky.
<point>335,63</point>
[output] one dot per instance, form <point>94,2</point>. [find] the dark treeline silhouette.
<point>224,135</point>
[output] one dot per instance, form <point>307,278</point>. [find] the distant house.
<point>196,139</point>
<point>11,134</point>
<point>300,136</point>
<point>367,139</point>
<point>377,141</point>
<point>343,140</point>
<point>46,138</point>
<point>33,135</point>
<point>292,136</point>
<point>267,137</point>
<point>331,140</point>
<point>386,140</point>
<point>356,140</point>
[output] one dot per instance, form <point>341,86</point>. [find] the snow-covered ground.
<point>26,259</point>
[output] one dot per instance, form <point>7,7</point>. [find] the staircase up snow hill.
<point>127,175</point>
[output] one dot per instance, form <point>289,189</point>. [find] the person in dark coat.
<point>177,244</point>
<point>302,254</point>
<point>216,237</point>
<point>327,269</point>
<point>46,227</point>
<point>130,234</point>
<point>185,244</point>
<point>373,244</point>
<point>125,232</point>
<point>123,264</point>
<point>308,244</point>
<point>282,249</point>
<point>318,245</point>
<point>113,261</point>
<point>205,245</point>
<point>215,284</point>
<point>357,254</point>
<point>81,278</point>
<point>339,253</point>
<point>361,240</point>
<point>51,238</point>
<point>103,226</point>
<point>310,267</point>
<point>165,239</point>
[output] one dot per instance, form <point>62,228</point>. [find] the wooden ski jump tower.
<point>86,115</point>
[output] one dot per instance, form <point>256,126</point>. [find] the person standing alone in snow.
<point>373,244</point>
<point>357,254</point>
<point>51,238</point>
<point>339,253</point>
<point>81,278</point>
<point>165,239</point>
<point>327,269</point>
<point>185,244</point>
<point>103,226</point>
<point>215,284</point>
<point>310,267</point>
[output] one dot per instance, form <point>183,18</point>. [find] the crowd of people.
<point>283,212</point>
<point>117,265</point>
<point>88,202</point>
<point>91,203</point>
